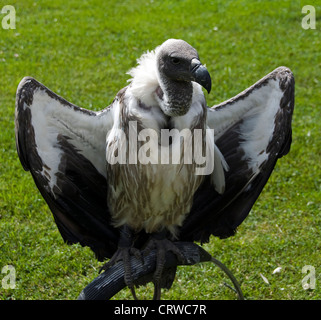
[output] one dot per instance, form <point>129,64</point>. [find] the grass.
<point>82,51</point>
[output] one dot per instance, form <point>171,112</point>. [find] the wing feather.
<point>252,130</point>
<point>63,146</point>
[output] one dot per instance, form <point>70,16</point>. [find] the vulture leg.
<point>124,252</point>
<point>163,278</point>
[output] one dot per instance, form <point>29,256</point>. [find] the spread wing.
<point>63,146</point>
<point>252,130</point>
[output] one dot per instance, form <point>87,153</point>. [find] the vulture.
<point>157,165</point>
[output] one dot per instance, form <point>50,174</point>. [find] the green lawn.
<point>82,50</point>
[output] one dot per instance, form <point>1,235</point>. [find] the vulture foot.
<point>124,253</point>
<point>163,277</point>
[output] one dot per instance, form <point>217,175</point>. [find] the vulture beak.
<point>201,75</point>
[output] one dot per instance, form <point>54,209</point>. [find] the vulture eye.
<point>175,60</point>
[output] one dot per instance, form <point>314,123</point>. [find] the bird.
<point>107,176</point>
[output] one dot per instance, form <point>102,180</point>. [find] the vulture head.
<point>178,64</point>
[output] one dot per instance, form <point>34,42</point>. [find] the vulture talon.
<point>124,254</point>
<point>162,246</point>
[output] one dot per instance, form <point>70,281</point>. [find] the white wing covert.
<point>252,130</point>
<point>63,146</point>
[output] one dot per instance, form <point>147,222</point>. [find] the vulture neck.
<point>176,95</point>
